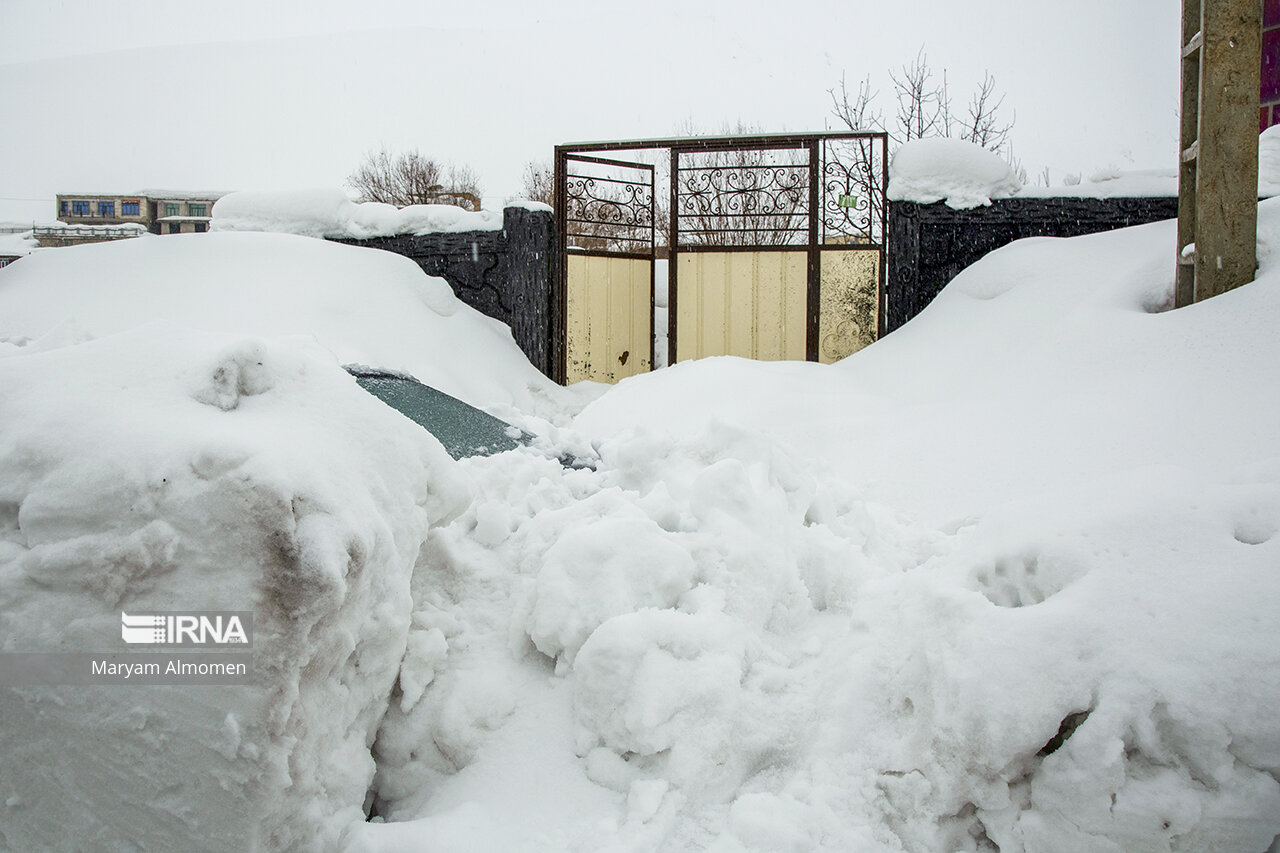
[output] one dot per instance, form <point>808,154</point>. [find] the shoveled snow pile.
<point>963,174</point>
<point>365,306</point>
<point>172,469</point>
<point>1006,580</point>
<point>329,213</point>
<point>1003,580</point>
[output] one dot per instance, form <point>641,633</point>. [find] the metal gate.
<point>605,211</point>
<point>776,246</point>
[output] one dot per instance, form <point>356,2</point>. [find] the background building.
<point>157,211</point>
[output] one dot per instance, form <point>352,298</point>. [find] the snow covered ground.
<point>1007,579</point>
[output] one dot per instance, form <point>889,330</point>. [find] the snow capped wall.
<point>939,169</point>
<point>329,213</point>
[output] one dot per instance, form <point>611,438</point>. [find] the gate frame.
<point>812,141</point>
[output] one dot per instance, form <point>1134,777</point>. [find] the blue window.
<point>106,208</point>
<point>79,208</point>
<point>128,208</point>
<point>62,208</point>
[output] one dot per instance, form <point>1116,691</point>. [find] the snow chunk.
<point>168,468</point>
<point>329,213</point>
<point>600,570</point>
<point>962,173</point>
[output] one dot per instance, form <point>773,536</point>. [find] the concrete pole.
<point>1226,155</point>
<point>1185,288</point>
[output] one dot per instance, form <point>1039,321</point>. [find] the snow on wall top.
<point>329,213</point>
<point>966,175</point>
<point>961,173</point>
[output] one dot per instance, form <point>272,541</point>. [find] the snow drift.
<point>364,305</point>
<point>1003,580</point>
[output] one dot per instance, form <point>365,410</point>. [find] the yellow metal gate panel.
<point>749,304</point>
<point>608,306</point>
<point>848,311</point>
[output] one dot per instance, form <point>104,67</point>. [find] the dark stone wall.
<point>930,243</point>
<point>505,274</point>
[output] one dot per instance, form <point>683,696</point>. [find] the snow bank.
<point>168,468</point>
<point>1003,580</point>
<point>329,213</point>
<point>363,305</point>
<point>963,174</point>
<point>967,590</point>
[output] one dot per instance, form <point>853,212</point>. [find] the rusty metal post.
<point>673,241</point>
<point>558,326</point>
<point>813,291</point>
<point>1224,154</point>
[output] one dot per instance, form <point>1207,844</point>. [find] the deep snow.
<point>1006,578</point>
<point>363,305</point>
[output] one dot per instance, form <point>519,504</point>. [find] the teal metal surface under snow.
<point>463,429</point>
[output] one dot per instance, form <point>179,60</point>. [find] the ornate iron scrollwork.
<point>612,209</point>
<point>749,200</point>
<point>852,191</point>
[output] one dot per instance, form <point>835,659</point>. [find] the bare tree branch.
<point>410,178</point>
<point>984,123</point>
<point>856,114</point>
<point>923,106</point>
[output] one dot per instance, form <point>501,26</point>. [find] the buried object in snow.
<point>463,429</point>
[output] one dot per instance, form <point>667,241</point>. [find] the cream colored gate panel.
<point>749,304</point>
<point>607,316</point>
<point>850,303</point>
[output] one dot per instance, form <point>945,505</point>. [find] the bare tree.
<point>858,112</point>
<point>410,178</point>
<point>923,108</point>
<point>538,182</point>
<point>984,123</point>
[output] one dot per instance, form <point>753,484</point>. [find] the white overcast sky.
<point>111,96</point>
